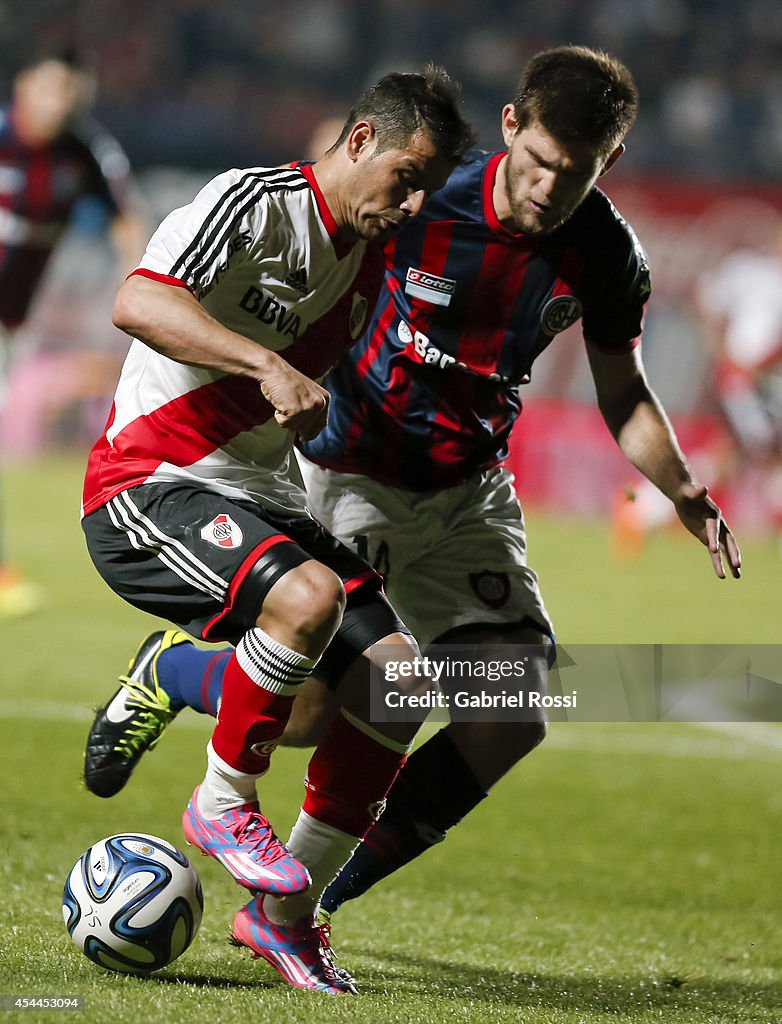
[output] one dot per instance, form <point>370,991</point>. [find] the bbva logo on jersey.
<point>223,532</point>
<point>268,310</point>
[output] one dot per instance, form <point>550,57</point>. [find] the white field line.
<point>745,741</point>
<point>742,741</point>
<point>61,711</point>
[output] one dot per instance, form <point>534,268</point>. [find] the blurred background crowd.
<point>190,87</point>
<point>203,84</point>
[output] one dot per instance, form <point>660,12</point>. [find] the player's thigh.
<point>369,617</point>
<point>472,564</point>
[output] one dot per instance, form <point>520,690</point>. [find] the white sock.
<point>324,850</point>
<point>223,787</point>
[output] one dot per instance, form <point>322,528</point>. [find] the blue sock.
<point>192,677</point>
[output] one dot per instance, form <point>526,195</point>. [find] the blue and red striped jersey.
<point>39,186</point>
<point>430,392</point>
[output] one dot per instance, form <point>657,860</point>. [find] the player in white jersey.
<point>216,253</point>
<point>738,304</point>
<point>193,507</point>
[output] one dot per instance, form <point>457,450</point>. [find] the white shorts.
<point>454,557</point>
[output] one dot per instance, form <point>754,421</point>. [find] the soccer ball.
<point>132,903</point>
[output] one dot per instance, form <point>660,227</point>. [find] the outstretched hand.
<point>703,518</point>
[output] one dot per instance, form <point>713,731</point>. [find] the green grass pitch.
<point>623,873</point>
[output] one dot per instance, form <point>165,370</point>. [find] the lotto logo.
<point>430,287</point>
<point>223,532</point>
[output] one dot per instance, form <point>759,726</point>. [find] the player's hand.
<point>300,404</point>
<point>703,519</point>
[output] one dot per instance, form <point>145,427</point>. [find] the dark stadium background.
<point>191,87</point>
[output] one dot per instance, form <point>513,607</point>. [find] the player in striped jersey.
<point>518,246</point>
<point>194,509</point>
<point>51,156</point>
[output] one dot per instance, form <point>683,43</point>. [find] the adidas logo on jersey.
<point>298,279</point>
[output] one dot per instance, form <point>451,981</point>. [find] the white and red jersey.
<point>260,250</point>
<point>744,291</point>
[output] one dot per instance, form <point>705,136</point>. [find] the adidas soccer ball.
<point>132,903</point>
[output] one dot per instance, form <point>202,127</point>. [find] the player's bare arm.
<point>171,321</point>
<point>642,430</point>
<point>128,234</point>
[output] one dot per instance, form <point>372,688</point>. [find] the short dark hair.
<point>399,105</point>
<point>73,59</point>
<point>578,95</point>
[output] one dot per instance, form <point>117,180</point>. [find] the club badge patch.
<point>560,313</point>
<point>223,532</point>
<point>493,588</point>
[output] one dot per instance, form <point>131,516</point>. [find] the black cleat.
<point>132,721</point>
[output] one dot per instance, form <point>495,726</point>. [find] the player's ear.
<point>510,124</point>
<point>613,158</point>
<point>361,136</point>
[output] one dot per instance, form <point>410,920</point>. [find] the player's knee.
<point>534,734</point>
<point>520,740</point>
<point>308,601</point>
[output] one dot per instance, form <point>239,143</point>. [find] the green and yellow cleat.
<point>133,720</point>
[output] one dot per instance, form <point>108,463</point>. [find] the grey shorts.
<point>451,558</point>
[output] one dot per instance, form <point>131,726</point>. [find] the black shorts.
<point>206,562</point>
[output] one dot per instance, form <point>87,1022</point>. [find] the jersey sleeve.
<point>618,289</point>
<point>109,177</point>
<point>192,244</point>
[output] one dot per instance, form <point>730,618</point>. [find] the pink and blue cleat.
<point>301,953</point>
<point>244,843</point>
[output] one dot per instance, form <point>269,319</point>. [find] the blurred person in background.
<point>738,305</point>
<point>516,247</point>
<point>51,156</point>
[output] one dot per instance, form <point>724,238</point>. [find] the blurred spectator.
<point>48,161</point>
<point>738,305</point>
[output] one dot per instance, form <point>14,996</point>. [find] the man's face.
<point>543,181</point>
<point>390,186</point>
<point>47,97</point>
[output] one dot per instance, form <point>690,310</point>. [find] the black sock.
<point>433,792</point>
